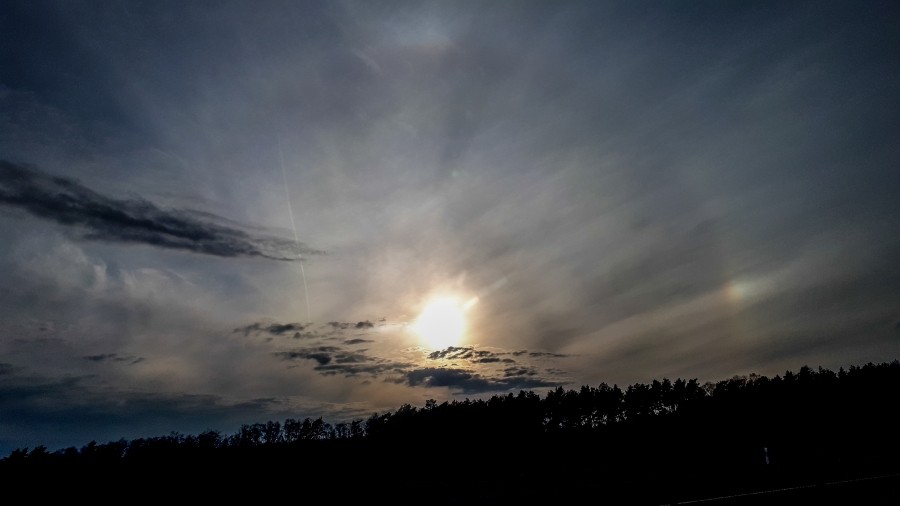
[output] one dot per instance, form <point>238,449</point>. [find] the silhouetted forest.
<point>656,443</point>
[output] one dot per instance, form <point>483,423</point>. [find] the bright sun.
<point>442,323</point>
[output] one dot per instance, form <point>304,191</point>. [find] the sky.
<point>217,213</point>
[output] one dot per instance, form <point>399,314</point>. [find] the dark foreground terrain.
<point>812,437</point>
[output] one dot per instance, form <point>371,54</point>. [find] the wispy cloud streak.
<point>68,202</point>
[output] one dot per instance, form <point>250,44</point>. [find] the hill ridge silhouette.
<point>654,443</point>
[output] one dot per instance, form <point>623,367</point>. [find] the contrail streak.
<point>287,195</point>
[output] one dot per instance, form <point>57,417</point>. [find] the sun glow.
<point>443,322</point>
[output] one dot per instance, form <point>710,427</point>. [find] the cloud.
<point>476,356</point>
<point>469,382</point>
<point>337,326</point>
<point>473,370</point>
<point>70,411</point>
<point>99,358</point>
<point>537,354</point>
<point>279,329</point>
<point>333,360</point>
<point>327,331</point>
<point>321,354</point>
<point>115,357</point>
<point>274,328</point>
<point>519,371</point>
<point>101,218</point>
<point>452,352</point>
<point>492,360</point>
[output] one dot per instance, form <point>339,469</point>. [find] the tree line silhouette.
<point>650,443</point>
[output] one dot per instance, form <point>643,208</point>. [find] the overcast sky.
<point>632,190</point>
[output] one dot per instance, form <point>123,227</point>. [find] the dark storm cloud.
<point>358,341</point>
<point>468,382</point>
<point>67,202</point>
